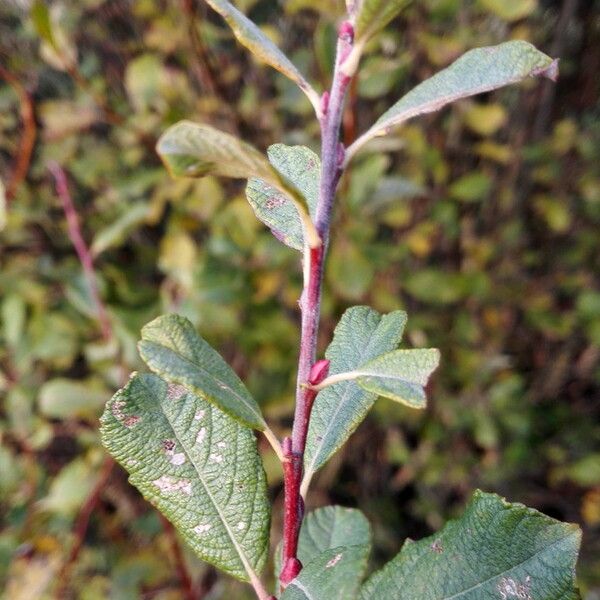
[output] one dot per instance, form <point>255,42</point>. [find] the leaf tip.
<point>550,72</point>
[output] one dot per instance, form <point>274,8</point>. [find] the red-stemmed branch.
<point>83,252</point>
<point>83,518</point>
<point>309,371</point>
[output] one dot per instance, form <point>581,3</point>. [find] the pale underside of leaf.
<point>399,375</point>
<point>495,551</point>
<point>172,348</point>
<point>334,574</point>
<point>361,335</point>
<point>198,466</point>
<point>301,167</point>
<point>250,36</point>
<point>194,150</point>
<point>478,71</point>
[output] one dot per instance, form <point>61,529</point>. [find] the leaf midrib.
<point>506,571</point>
<point>246,564</point>
<point>244,400</point>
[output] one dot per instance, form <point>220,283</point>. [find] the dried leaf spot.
<point>200,435</point>
<point>169,484</point>
<point>274,202</point>
<point>131,421</point>
<point>168,445</point>
<point>334,561</point>
<point>202,528</point>
<point>509,588</point>
<point>437,547</point>
<point>117,411</point>
<point>175,391</point>
<point>216,458</point>
<point>199,415</point>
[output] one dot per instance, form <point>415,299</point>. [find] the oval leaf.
<point>250,36</point>
<point>362,334</point>
<point>496,550</point>
<point>172,348</point>
<point>334,574</point>
<point>301,167</point>
<point>198,466</point>
<point>477,71</point>
<point>399,375</point>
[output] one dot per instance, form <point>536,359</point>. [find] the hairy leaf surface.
<point>495,551</point>
<point>335,574</point>
<point>250,36</point>
<point>301,167</point>
<point>361,335</point>
<point>172,348</point>
<point>198,466</point>
<point>194,150</point>
<point>399,375</point>
<point>477,71</point>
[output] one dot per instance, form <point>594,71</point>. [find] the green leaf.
<point>400,375</point>
<point>495,551</point>
<point>477,71</point>
<point>195,464</point>
<point>374,15</point>
<point>40,17</point>
<point>327,528</point>
<point>301,167</point>
<point>172,348</point>
<point>250,36</point>
<point>195,150</point>
<point>335,574</point>
<point>62,398</point>
<point>361,335</point>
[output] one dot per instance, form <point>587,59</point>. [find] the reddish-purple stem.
<point>83,252</point>
<point>331,160</point>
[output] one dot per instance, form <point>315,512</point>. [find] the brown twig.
<point>25,152</point>
<point>81,524</point>
<point>83,252</point>
<point>185,579</point>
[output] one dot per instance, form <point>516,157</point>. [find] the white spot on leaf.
<point>202,528</point>
<point>509,588</point>
<point>178,458</point>
<point>216,458</point>
<point>334,561</point>
<point>199,415</point>
<point>201,435</point>
<point>241,525</point>
<point>221,445</point>
<point>175,391</point>
<point>169,484</point>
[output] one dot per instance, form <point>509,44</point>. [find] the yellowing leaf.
<point>510,10</point>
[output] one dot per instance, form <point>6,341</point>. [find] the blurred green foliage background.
<point>483,222</point>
